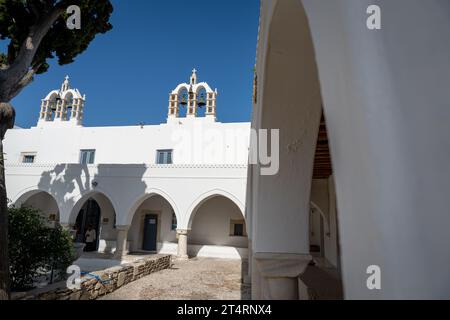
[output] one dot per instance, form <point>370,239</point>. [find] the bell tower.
<point>190,96</point>
<point>63,106</point>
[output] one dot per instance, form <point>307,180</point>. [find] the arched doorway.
<point>153,226</point>
<point>88,217</point>
<point>97,211</point>
<point>218,229</point>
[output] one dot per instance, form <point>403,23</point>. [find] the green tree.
<point>37,31</point>
<point>35,247</point>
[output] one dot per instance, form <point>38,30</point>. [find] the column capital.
<point>182,231</point>
<point>275,265</point>
<point>280,275</point>
<point>123,228</point>
<point>66,225</point>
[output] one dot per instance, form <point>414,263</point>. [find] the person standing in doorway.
<point>90,237</point>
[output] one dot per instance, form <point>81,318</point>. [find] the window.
<point>237,228</point>
<point>164,157</point>
<point>87,156</point>
<point>28,158</point>
<point>174,221</point>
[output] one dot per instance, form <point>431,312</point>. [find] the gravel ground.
<point>196,279</point>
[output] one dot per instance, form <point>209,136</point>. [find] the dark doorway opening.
<point>89,215</point>
<point>150,232</point>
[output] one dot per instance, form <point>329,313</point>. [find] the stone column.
<point>279,276</point>
<point>121,246</point>
<point>182,244</point>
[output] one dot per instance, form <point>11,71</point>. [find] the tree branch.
<point>26,80</point>
<point>34,9</point>
<point>18,72</point>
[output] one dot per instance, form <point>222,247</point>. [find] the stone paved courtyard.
<point>196,279</point>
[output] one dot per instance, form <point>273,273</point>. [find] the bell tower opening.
<point>63,106</point>
<point>192,100</point>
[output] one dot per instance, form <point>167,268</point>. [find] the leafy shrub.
<point>35,248</point>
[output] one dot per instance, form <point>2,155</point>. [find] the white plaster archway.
<point>49,205</point>
<point>53,94</point>
<point>141,199</point>
<point>205,197</point>
<point>80,200</point>
<point>202,86</point>
<point>73,93</point>
<point>181,87</point>
<point>288,99</point>
<point>26,193</point>
<point>387,149</point>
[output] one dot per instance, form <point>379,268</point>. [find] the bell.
<point>201,102</point>
<point>183,101</point>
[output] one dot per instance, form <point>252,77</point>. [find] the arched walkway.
<point>95,210</point>
<point>289,99</point>
<point>153,224</point>
<point>41,201</point>
<point>209,195</point>
<point>216,228</point>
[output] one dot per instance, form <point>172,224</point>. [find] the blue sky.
<point>128,73</point>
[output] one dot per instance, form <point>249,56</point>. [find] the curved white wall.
<point>385,95</point>
<point>211,224</point>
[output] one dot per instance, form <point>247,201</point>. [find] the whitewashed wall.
<point>211,224</point>
<point>209,159</point>
<point>194,141</point>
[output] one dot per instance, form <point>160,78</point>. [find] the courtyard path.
<point>196,279</point>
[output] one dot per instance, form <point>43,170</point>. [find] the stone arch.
<point>204,86</point>
<point>26,193</point>
<point>73,93</point>
<point>80,200</point>
<point>182,91</point>
<point>68,103</point>
<point>97,209</point>
<point>142,198</point>
<point>47,198</point>
<point>52,94</point>
<point>288,98</point>
<point>207,196</point>
<point>181,87</point>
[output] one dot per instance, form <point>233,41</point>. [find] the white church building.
<point>362,187</point>
<point>178,187</point>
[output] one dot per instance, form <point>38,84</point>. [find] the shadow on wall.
<point>58,183</point>
<point>69,182</point>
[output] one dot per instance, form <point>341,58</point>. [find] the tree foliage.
<point>36,31</point>
<point>35,248</point>
<point>42,23</point>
